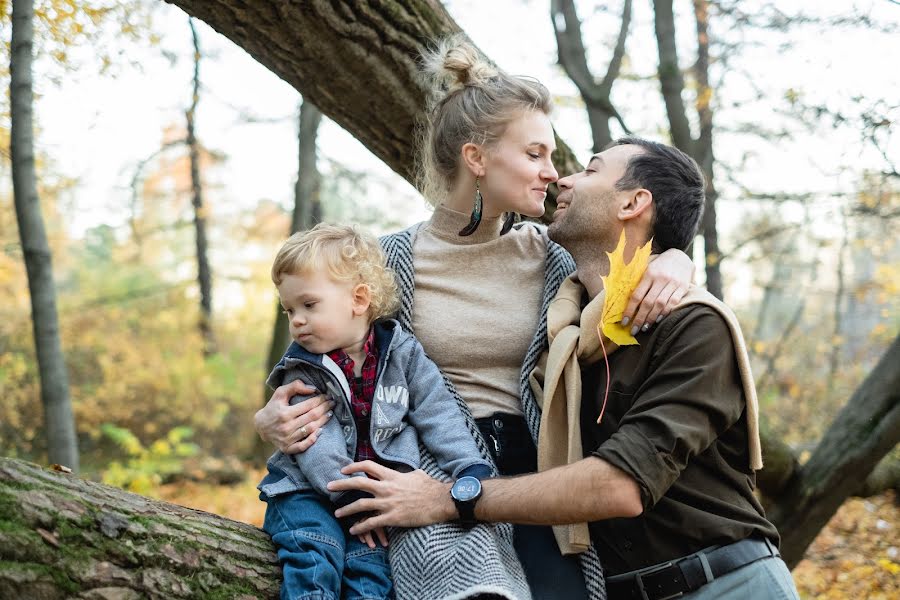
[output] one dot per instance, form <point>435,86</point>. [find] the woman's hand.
<point>665,282</point>
<point>292,429</point>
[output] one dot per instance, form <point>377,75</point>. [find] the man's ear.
<point>362,299</point>
<point>637,203</point>
<point>473,158</point>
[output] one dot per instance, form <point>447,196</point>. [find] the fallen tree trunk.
<point>64,537</point>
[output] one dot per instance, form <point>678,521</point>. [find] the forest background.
<point>165,366</point>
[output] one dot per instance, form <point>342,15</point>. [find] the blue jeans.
<point>319,559</point>
<point>766,579</point>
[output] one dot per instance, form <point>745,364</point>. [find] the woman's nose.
<point>549,174</point>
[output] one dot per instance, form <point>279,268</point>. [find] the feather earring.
<point>475,219</point>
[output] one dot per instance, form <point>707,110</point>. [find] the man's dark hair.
<point>677,185</point>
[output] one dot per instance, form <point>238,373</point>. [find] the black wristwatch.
<point>465,493</point>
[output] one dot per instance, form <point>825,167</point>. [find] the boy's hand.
<point>292,429</point>
<point>369,539</point>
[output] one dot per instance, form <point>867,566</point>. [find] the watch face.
<point>466,488</point>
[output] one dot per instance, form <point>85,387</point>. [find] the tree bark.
<point>865,430</point>
<point>670,79</point>
<point>704,151</point>
<point>204,272</point>
<point>63,537</point>
<point>356,61</point>
<point>59,422</point>
<point>573,58</point>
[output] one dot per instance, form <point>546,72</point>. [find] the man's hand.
<point>665,282</point>
<point>400,499</point>
<point>292,429</point>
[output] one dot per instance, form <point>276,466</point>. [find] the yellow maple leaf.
<point>619,285</point>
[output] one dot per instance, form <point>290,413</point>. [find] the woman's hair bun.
<point>454,64</point>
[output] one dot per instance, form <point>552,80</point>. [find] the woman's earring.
<point>476,213</point>
<point>508,222</point>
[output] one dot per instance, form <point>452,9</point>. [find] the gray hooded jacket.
<point>411,404</point>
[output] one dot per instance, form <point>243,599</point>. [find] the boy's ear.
<point>362,299</point>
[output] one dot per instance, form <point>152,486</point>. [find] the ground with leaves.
<point>856,556</point>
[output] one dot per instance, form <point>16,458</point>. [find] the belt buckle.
<point>639,577</point>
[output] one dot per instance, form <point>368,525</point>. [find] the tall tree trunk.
<point>307,212</point>
<point>573,58</point>
<point>704,150</point>
<point>63,537</point>
<point>307,202</point>
<point>357,62</point>
<point>865,430</point>
<point>62,442</point>
<point>204,272</point>
<point>671,81</point>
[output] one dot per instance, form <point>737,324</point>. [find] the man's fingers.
<point>370,468</point>
<point>635,300</point>
<point>353,483</point>
<point>370,524</point>
<point>354,508</point>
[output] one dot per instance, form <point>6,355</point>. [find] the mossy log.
<point>64,537</point>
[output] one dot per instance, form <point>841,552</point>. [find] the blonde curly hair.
<point>347,254</point>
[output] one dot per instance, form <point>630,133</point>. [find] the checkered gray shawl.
<point>446,561</point>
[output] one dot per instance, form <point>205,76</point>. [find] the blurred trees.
<point>62,445</point>
<point>204,273</point>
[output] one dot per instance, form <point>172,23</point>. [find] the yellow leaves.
<point>889,566</point>
<point>619,285</point>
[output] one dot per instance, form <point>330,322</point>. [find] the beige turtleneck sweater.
<point>477,305</point>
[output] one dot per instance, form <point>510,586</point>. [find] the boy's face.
<point>324,314</point>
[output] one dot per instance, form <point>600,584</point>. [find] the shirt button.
<point>627,544</point>
<point>364,412</point>
<point>498,423</point>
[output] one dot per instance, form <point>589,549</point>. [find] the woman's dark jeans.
<point>551,575</point>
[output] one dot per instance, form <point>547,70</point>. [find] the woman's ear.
<point>635,204</point>
<point>362,299</point>
<point>473,158</point>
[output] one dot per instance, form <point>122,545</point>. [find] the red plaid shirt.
<point>362,389</point>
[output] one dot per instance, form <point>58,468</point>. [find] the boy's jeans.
<point>320,560</point>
